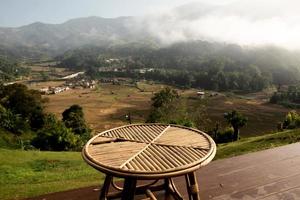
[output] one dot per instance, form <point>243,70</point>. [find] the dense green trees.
<point>12,122</point>
<point>24,103</point>
<point>289,97</point>
<point>73,118</point>
<point>216,79</point>
<point>165,97</point>
<point>55,136</point>
<point>69,134</point>
<point>198,64</point>
<point>237,121</point>
<point>22,111</point>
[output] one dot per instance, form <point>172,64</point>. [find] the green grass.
<point>258,143</point>
<point>32,173</point>
<point>11,141</point>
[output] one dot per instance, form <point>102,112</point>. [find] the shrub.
<point>226,136</point>
<point>292,120</point>
<point>55,136</point>
<point>11,122</point>
<point>183,122</point>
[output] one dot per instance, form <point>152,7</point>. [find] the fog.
<point>246,22</point>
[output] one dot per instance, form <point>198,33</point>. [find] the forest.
<point>200,64</point>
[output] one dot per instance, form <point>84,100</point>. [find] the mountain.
<point>158,29</point>
<point>56,38</point>
<point>233,23</point>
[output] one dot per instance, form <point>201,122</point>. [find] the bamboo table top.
<point>149,150</point>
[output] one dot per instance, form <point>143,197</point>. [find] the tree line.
<point>289,97</point>
<point>198,64</point>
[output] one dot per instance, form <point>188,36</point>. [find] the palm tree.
<point>237,121</point>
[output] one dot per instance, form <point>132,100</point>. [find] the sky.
<point>245,22</point>
<point>15,13</point>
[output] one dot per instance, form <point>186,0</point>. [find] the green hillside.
<point>31,173</point>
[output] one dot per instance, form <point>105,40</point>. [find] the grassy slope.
<point>258,143</point>
<point>31,173</point>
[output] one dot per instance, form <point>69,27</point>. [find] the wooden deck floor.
<point>269,175</point>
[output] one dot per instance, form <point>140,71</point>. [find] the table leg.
<point>105,188</point>
<point>129,189</point>
<point>171,190</point>
<point>167,188</point>
<point>192,186</point>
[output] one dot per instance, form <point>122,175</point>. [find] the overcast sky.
<point>246,22</point>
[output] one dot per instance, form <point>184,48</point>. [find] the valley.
<point>91,66</point>
<point>106,105</point>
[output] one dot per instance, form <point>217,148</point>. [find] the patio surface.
<point>269,175</point>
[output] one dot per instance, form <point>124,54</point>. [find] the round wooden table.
<point>149,152</point>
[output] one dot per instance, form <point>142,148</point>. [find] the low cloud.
<point>246,22</point>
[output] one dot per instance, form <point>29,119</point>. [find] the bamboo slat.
<point>149,148</point>
<point>114,154</point>
<point>183,137</point>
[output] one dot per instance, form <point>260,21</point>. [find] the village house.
<point>54,90</point>
<point>201,94</point>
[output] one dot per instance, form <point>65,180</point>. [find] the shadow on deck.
<point>269,175</point>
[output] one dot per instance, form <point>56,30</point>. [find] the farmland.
<point>106,105</point>
<point>262,116</point>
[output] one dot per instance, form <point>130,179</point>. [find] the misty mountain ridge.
<point>195,21</point>
<point>71,34</point>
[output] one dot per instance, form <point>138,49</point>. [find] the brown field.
<point>39,68</point>
<point>53,72</point>
<point>106,106</point>
<point>263,117</point>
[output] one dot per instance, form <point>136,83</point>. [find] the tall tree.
<point>164,97</point>
<point>26,103</point>
<point>163,104</point>
<point>168,107</point>
<point>73,118</point>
